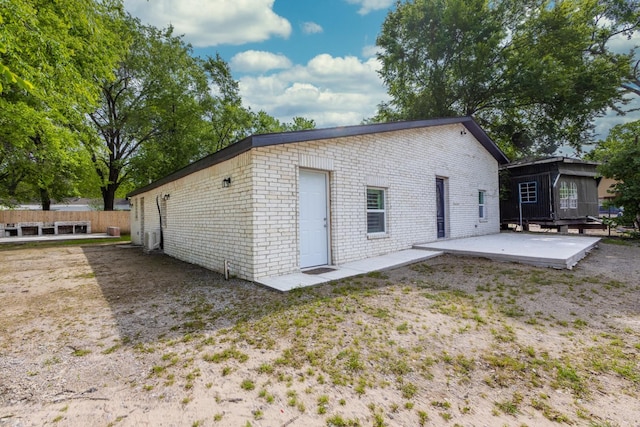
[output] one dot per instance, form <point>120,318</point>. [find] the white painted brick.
<point>253,223</point>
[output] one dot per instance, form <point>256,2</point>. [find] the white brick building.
<point>275,204</point>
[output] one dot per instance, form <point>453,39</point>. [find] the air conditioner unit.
<point>150,240</point>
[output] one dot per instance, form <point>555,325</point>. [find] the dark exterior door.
<point>440,218</point>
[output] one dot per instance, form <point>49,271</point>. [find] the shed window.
<point>376,210</point>
<point>528,192</point>
<point>568,195</point>
<point>482,208</point>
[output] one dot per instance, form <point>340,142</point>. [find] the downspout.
<point>160,216</point>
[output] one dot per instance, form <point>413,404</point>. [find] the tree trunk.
<point>108,196</point>
<point>45,199</point>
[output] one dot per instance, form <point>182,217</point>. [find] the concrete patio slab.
<point>349,269</point>
<point>539,249</point>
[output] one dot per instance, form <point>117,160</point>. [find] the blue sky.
<point>309,58</point>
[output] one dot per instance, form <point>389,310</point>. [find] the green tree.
<point>149,119</point>
<point>534,73</point>
<point>632,85</point>
<point>227,119</point>
<point>50,56</point>
<point>164,110</point>
<point>619,155</point>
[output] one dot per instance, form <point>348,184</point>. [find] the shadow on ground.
<point>153,296</point>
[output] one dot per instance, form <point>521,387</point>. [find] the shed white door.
<point>314,231</point>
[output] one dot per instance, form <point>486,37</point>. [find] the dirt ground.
<point>105,335</point>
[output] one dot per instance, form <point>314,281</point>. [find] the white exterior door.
<point>313,220</point>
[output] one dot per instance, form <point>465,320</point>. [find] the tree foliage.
<point>148,120</point>
<point>619,155</point>
<point>50,55</point>
<point>91,99</point>
<point>534,73</point>
<point>164,110</point>
<point>632,85</point>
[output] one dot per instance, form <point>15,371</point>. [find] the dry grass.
<point>445,342</point>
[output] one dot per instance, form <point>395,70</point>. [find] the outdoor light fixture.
<point>463,132</point>
<point>226,182</point>
<point>166,197</point>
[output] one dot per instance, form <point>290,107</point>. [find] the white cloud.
<point>258,61</point>
<point>311,28</point>
<point>333,91</point>
<point>213,22</point>
<point>620,44</point>
<point>370,51</point>
<point>367,6</point>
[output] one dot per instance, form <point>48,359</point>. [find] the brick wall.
<point>405,163</point>
<point>254,222</point>
<point>206,223</point>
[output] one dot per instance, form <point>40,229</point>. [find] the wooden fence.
<point>100,220</point>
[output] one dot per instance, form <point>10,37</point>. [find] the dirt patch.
<point>105,335</point>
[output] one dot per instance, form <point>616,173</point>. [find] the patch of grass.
<point>79,352</point>
<point>229,353</point>
<point>53,244</point>
<point>158,370</point>
<point>567,376</point>
<point>403,328</point>
<point>511,406</point>
<point>247,385</point>
<point>112,349</point>
<point>268,397</point>
<point>339,421</point>
<point>351,359</point>
<point>377,275</point>
<point>550,413</point>
<point>323,402</point>
<point>616,241</point>
<point>266,368</point>
<point>408,390</point>
<point>423,417</point>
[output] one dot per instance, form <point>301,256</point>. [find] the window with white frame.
<point>568,195</point>
<point>564,195</point>
<point>482,207</point>
<point>528,192</point>
<point>376,213</point>
<point>573,195</point>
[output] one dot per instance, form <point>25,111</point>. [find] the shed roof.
<point>264,140</point>
<point>556,159</point>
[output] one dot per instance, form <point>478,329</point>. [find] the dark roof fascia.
<point>226,153</point>
<point>556,159</point>
<point>265,140</point>
<point>482,137</point>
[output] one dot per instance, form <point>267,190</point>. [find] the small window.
<point>564,195</point>
<point>568,195</point>
<point>375,210</point>
<point>482,208</point>
<point>573,196</point>
<point>528,192</point>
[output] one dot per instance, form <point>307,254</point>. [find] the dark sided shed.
<point>556,192</point>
